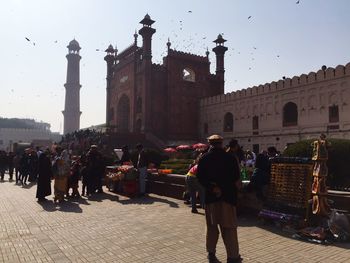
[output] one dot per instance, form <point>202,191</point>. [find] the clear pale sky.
<point>305,36</point>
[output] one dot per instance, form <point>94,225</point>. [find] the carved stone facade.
<point>282,112</point>
<point>161,100</point>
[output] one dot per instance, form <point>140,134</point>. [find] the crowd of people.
<point>215,175</point>
<point>57,164</point>
<point>253,168</point>
<point>81,140</point>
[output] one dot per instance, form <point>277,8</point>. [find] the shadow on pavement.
<point>29,185</point>
<point>79,200</point>
<point>65,206</point>
<point>99,197</point>
<point>148,200</point>
<point>68,206</point>
<point>48,206</point>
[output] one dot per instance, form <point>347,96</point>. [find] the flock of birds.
<point>190,44</point>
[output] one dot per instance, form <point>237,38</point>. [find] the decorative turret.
<point>135,38</point>
<point>109,58</point>
<point>71,112</point>
<point>73,46</point>
<point>146,32</point>
<point>220,50</point>
<point>168,44</point>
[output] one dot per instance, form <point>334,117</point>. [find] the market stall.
<point>289,190</point>
<point>122,179</point>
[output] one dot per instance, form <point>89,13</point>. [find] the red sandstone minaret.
<point>146,32</point>
<point>220,50</point>
<point>109,58</point>
<point>72,111</point>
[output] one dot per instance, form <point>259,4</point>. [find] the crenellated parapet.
<point>158,67</point>
<point>324,74</point>
<point>186,55</point>
<point>127,51</point>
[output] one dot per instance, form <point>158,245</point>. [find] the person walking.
<point>126,155</point>
<point>24,167</point>
<point>73,180</point>
<point>33,166</point>
<point>61,169</point>
<point>141,165</point>
<point>16,161</point>
<point>194,186</point>
<point>44,176</point>
<point>3,164</point>
<point>10,164</point>
<point>95,170</point>
<point>218,172</point>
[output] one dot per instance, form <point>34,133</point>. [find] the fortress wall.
<point>294,82</point>
<point>313,93</point>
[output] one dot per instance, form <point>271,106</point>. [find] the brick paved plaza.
<point>113,228</point>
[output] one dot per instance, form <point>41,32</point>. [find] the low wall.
<point>173,185</point>
<point>170,185</point>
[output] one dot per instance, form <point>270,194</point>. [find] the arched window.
<point>290,114</point>
<point>188,75</point>
<point>139,105</point>
<point>228,122</point>
<point>255,122</point>
<point>333,113</point>
<point>123,114</point>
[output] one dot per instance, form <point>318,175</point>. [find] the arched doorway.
<point>123,114</point>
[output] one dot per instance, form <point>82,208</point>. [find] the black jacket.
<point>218,168</point>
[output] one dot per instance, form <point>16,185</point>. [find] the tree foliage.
<point>338,162</point>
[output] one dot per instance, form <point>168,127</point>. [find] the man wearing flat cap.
<point>217,172</point>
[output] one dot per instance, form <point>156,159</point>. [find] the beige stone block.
<point>330,73</point>
<point>320,75</point>
<point>339,71</point>
<point>295,81</point>
<point>303,79</point>
<point>311,77</point>
<point>280,84</point>
<point>347,69</point>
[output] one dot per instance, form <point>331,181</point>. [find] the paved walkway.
<point>113,228</point>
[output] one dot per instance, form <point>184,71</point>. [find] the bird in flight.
<point>189,11</point>
<point>249,17</point>
<point>27,39</point>
<point>298,2</point>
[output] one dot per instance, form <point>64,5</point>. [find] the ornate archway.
<point>123,114</point>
